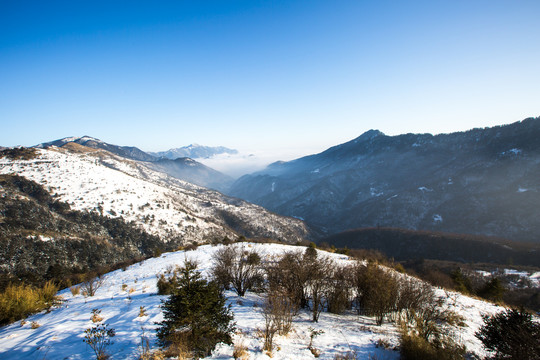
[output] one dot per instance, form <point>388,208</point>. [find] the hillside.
<point>42,239</point>
<point>174,210</point>
<point>401,245</point>
<point>129,152</point>
<point>123,292</point>
<point>482,181</point>
<point>192,171</point>
<point>184,169</point>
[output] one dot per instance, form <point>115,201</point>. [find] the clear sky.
<point>288,77</point>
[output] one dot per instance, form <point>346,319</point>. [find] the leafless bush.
<point>271,325</point>
<point>318,271</point>
<point>414,297</point>
<point>376,291</point>
<point>236,268</point>
<point>289,276</point>
<point>89,287</point>
<point>338,292</point>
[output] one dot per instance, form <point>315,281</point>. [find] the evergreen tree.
<point>511,335</point>
<point>196,314</point>
<point>492,290</point>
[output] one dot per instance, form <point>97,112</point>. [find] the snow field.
<point>61,333</point>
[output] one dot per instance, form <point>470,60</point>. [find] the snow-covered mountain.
<point>194,151</point>
<point>129,152</point>
<point>184,169</point>
<point>175,210</point>
<point>59,334</point>
<point>482,181</point>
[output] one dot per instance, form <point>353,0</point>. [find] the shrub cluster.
<point>19,301</point>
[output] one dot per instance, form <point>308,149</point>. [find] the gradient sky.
<point>288,77</point>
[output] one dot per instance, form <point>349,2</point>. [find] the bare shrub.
<point>236,268</point>
<point>288,276</point>
<point>283,310</point>
<point>271,324</point>
<point>376,291</point>
<point>99,337</point>
<point>338,292</point>
<point>90,286</point>
<point>414,297</point>
<point>317,274</point>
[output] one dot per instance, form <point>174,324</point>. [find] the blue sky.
<point>281,77</point>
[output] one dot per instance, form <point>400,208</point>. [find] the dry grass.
<point>240,351</point>
<point>35,325</point>
<point>19,301</point>
<point>96,317</point>
<point>75,290</point>
<point>179,348</point>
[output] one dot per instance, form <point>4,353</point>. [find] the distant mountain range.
<point>194,151</point>
<point>181,167</point>
<point>482,181</point>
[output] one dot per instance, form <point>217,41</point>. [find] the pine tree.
<point>196,314</point>
<point>511,335</point>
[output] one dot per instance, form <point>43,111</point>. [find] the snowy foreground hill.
<point>93,179</point>
<point>61,331</point>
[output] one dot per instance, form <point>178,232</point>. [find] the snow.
<point>424,189</point>
<point>61,333</point>
<point>513,151</point>
<point>160,204</point>
<point>520,190</point>
<point>374,192</point>
<point>437,218</point>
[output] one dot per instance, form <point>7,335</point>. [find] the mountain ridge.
<point>187,170</point>
<point>481,181</point>
<point>194,151</point>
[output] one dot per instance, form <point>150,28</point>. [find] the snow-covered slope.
<point>162,205</point>
<point>61,332</point>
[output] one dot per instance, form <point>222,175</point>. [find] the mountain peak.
<point>194,151</point>
<point>368,135</point>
